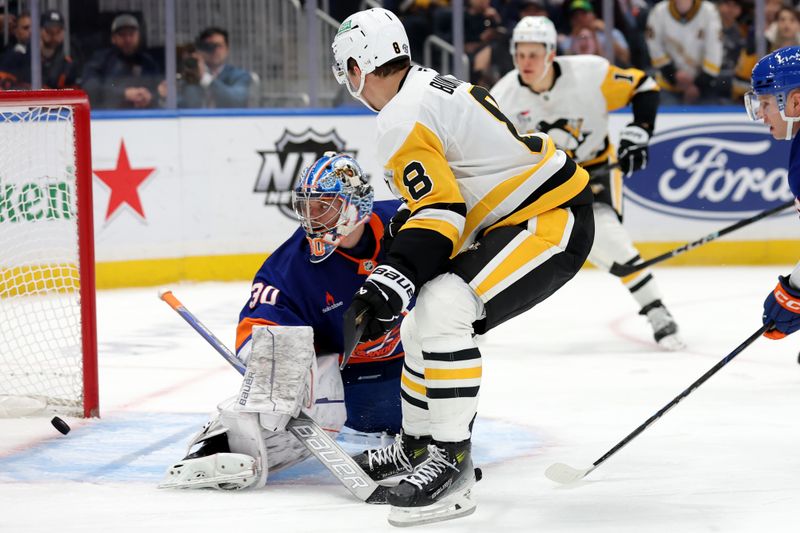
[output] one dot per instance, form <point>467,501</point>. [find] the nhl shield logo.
<point>280,168</point>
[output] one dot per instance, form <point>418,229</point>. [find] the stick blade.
<point>353,329</point>
<point>565,474</point>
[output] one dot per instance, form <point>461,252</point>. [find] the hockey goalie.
<point>290,337</point>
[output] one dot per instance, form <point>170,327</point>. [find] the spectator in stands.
<point>418,17</point>
<point>783,31</point>
<point>684,39</point>
<point>734,35</point>
<point>485,39</point>
<point>588,34</point>
<point>124,75</point>
<point>57,68</point>
<point>207,80</point>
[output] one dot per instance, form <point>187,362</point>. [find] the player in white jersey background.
<point>497,222</point>
<point>569,97</point>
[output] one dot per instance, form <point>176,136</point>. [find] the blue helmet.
<point>775,74</point>
<point>331,199</point>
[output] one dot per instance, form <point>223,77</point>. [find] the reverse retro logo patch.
<point>281,167</point>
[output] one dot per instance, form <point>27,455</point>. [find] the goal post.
<point>48,336</point>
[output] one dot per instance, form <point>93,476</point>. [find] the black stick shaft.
<point>727,359</point>
<point>627,270</point>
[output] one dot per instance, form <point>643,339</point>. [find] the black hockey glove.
<point>381,301</point>
<point>393,227</point>
<point>632,153</point>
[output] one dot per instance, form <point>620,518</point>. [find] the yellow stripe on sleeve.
<point>619,86</point>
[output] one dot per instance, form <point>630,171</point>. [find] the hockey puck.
<point>60,425</point>
<point>478,474</point>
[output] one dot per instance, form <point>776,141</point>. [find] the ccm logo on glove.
<point>786,300</point>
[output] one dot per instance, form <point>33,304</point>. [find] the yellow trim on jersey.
<point>439,226</point>
<point>548,200</point>
<point>499,193</point>
<point>660,61</point>
<point>416,387</point>
<point>689,14</point>
<point>600,159</point>
<point>711,68</point>
<point>423,145</point>
<point>453,373</point>
<point>550,227</point>
<point>620,85</point>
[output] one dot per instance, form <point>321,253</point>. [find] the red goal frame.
<point>79,102</point>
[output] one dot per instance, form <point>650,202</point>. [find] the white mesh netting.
<point>40,312</point>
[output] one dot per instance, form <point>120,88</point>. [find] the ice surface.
<point>562,383</point>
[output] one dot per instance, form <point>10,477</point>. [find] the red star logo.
<point>124,183</point>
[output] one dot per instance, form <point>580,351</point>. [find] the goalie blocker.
<point>247,438</point>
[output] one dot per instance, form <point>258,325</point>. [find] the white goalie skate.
<point>224,471</point>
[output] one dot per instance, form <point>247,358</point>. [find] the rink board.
<point>211,192</point>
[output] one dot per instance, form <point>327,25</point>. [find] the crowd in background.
<point>701,52</point>
<point>123,74</point>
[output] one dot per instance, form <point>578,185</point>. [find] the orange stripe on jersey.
<point>245,329</point>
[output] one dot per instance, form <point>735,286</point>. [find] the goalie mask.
<point>371,38</point>
<point>331,199</point>
<point>775,75</point>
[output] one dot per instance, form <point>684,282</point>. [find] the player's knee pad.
<point>612,242</point>
<point>445,311</point>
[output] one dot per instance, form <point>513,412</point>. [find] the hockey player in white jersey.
<point>497,222</point>
<point>569,97</point>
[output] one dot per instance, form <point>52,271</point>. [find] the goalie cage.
<point>48,339</point>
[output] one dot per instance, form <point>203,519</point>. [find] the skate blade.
<point>672,343</point>
<point>447,509</point>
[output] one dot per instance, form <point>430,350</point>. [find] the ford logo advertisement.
<point>723,171</point>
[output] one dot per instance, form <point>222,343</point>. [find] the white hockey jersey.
<point>461,166</point>
<point>692,42</point>
<point>574,112</point>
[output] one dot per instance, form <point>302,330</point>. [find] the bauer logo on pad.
<point>724,171</point>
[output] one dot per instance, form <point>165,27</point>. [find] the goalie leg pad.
<point>277,382</point>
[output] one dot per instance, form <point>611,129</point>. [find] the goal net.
<point>48,354</point>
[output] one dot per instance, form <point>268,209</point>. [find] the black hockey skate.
<point>439,489</point>
<point>390,464</point>
<point>665,330</point>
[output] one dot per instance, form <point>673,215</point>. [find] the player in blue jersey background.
<point>775,100</point>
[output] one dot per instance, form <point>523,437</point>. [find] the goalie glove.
<point>381,300</point>
<point>782,309</point>
<point>632,153</point>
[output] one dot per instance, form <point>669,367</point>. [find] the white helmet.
<point>372,38</point>
<point>534,30</point>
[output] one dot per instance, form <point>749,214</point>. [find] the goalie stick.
<point>562,473</point>
<point>627,270</point>
<point>308,432</point>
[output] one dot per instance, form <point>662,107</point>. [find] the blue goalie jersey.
<point>290,290</point>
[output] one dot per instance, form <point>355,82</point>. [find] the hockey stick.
<point>562,473</point>
<point>308,432</point>
<point>627,270</point>
<point>353,330</point>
